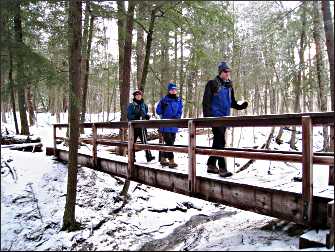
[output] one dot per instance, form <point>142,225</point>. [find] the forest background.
<point>277,52</point>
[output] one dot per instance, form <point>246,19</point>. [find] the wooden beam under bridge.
<point>271,202</point>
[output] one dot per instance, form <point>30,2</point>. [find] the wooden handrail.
<point>236,121</point>
<point>259,155</point>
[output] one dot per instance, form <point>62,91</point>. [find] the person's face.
<point>138,97</point>
<point>173,91</point>
<point>225,75</point>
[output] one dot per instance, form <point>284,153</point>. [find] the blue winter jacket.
<point>219,98</point>
<point>170,107</point>
<point>137,110</point>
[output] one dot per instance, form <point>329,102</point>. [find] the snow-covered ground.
<point>33,199</point>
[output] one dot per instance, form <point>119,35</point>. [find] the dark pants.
<point>219,142</point>
<point>169,139</point>
<point>142,134</point>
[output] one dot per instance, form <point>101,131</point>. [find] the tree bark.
<point>121,42</point>
<point>140,47</point>
<point>181,70</point>
<point>148,49</point>
<point>298,82</point>
<point>165,73</point>
<point>31,113</point>
<point>12,94</point>
<point>124,92</point>
<point>74,35</point>
<point>175,55</point>
<point>320,68</point>
<point>20,70</point>
<point>329,31</point>
<point>86,60</point>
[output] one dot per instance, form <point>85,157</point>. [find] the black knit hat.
<point>138,92</point>
<point>223,66</point>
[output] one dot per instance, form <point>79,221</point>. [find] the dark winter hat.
<point>138,92</point>
<point>223,66</point>
<point>171,86</point>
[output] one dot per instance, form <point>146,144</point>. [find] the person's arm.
<point>130,112</point>
<point>234,104</point>
<point>206,101</point>
<point>159,108</point>
<point>180,108</point>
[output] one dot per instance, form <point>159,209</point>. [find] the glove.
<point>244,105</point>
<point>146,117</point>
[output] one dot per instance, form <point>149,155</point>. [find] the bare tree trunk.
<point>320,67</point>
<point>69,221</point>
<point>86,60</point>
<point>329,31</point>
<point>189,95</point>
<point>148,47</point>
<point>164,62</point>
<point>181,70</point>
<point>20,70</point>
<point>12,94</point>
<point>140,46</point>
<point>31,113</point>
<point>153,87</point>
<point>121,41</point>
<point>124,92</point>
<point>310,81</point>
<point>257,97</point>
<point>175,55</point>
<point>283,105</point>
<point>298,82</point>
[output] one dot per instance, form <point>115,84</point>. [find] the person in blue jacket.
<point>138,110</point>
<point>217,100</point>
<point>169,107</point>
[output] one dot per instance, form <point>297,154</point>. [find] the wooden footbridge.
<point>307,206</point>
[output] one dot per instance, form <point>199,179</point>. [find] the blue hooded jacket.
<point>170,107</point>
<point>219,98</point>
<point>137,110</point>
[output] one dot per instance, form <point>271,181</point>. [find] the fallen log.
<point>32,147</point>
<point>18,139</point>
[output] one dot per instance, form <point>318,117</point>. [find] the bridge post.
<point>307,168</point>
<point>191,157</point>
<point>94,143</point>
<point>54,136</point>
<point>131,151</point>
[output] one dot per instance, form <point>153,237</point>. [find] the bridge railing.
<point>306,157</point>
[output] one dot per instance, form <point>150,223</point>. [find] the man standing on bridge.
<point>217,101</point>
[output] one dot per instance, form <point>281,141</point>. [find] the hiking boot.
<point>224,173</point>
<point>172,164</point>
<point>164,162</point>
<point>212,169</point>
<point>150,158</point>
